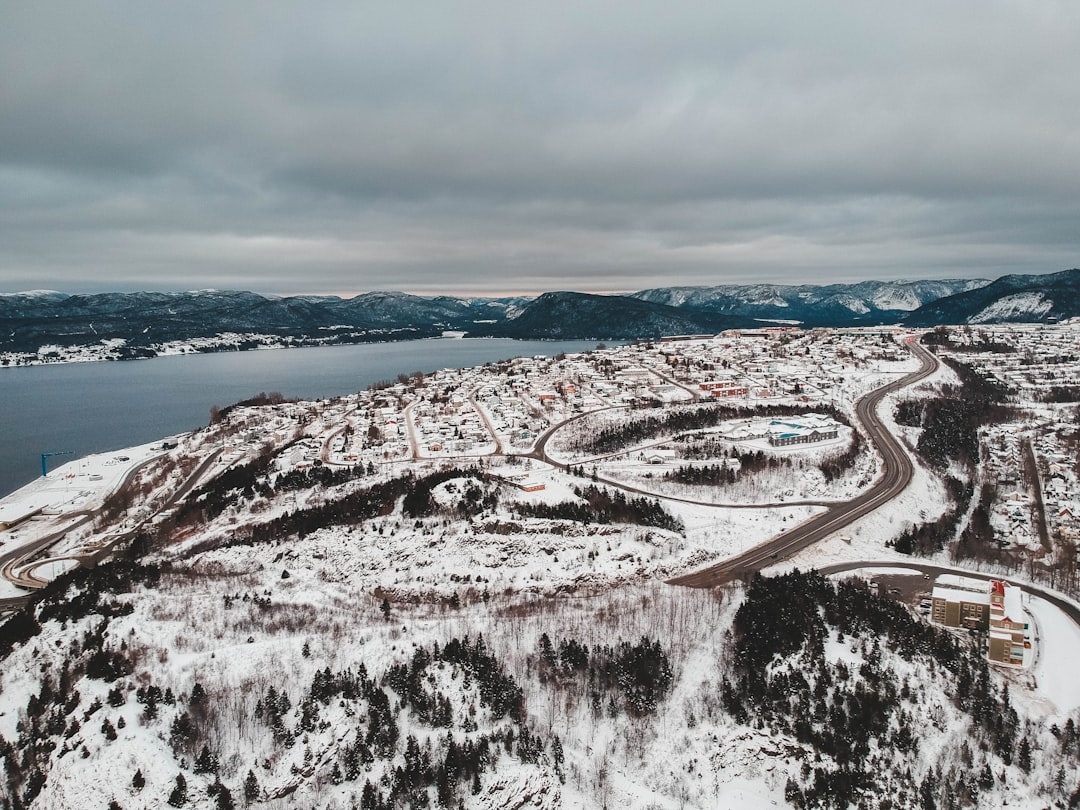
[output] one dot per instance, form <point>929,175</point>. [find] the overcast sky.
<point>514,148</point>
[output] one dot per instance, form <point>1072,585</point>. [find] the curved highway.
<point>897,474</point>
<point>1067,606</point>
<point>11,561</point>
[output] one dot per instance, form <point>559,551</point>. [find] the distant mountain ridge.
<point>137,322</point>
<point>1009,299</point>
<point>867,302</point>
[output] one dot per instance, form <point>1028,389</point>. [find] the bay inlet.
<point>89,408</point>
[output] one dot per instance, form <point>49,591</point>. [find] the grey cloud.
<point>335,147</point>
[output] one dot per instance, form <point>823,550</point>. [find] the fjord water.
<point>96,407</point>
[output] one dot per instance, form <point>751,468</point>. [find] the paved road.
<point>1036,485</point>
<point>897,474</point>
<point>539,451</point>
<point>487,424</point>
<point>1068,607</point>
<point>410,431</point>
<point>695,394</point>
<point>13,558</point>
<point>17,557</point>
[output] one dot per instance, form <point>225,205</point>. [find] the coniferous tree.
<point>223,796</point>
<point>205,762</point>
<point>178,797</point>
<point>1023,759</point>
<point>251,787</point>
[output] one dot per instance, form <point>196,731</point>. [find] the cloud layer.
<point>505,148</point>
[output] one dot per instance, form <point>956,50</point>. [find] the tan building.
<point>960,602</point>
<point>993,607</point>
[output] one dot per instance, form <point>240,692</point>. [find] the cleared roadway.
<point>896,475</point>
<point>16,558</point>
<point>1067,606</point>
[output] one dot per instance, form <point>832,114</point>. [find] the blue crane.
<point>45,458</point>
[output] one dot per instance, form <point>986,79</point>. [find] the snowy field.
<point>1058,650</point>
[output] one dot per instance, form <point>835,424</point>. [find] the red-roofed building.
<point>1008,628</point>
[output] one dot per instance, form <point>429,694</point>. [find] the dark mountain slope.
<point>1009,299</point>
<point>571,315</point>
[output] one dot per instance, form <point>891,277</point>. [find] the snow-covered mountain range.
<point>141,323</point>
<point>812,304</point>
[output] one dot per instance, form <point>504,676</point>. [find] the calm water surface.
<point>95,407</point>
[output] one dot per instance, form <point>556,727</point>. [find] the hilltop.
<point>48,326</point>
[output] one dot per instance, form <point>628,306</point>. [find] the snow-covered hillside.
<point>1029,306</point>
<point>274,688</point>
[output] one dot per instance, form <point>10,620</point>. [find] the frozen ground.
<point>1058,652</point>
<point>511,579</point>
<point>78,484</point>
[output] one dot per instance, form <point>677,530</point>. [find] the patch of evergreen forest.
<point>676,421</point>
<point>248,482</point>
<point>442,694</point>
<point>429,729</point>
<point>862,717</point>
<point>949,438</point>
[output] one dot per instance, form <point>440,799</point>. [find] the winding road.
<point>1068,607</point>
<point>897,473</point>
<point>12,561</point>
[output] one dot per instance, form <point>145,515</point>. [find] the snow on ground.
<point>77,484</point>
<point>1058,653</point>
<point>1026,306</point>
<point>801,480</point>
<point>726,532</point>
<point>924,500</point>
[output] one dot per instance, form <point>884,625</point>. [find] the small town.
<point>693,460</point>
<point>563,406</point>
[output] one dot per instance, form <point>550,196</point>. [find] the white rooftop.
<point>961,583</point>
<point>955,588</point>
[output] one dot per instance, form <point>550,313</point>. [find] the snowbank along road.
<point>897,473</point>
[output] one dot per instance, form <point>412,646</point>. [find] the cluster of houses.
<point>1013,513</point>
<point>771,363</point>
<point>453,427</point>
<point>1034,361</point>
<point>994,607</point>
<point>1057,470</point>
<point>508,405</point>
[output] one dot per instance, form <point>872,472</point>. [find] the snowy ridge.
<point>34,294</point>
<point>1031,306</point>
<point>825,304</point>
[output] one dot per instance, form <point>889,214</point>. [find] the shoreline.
<point>96,353</point>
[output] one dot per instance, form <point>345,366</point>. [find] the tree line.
<point>601,505</point>
<point>627,433</point>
